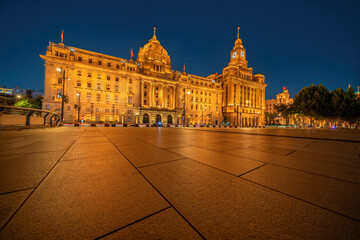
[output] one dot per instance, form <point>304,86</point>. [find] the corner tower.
<point>243,100</point>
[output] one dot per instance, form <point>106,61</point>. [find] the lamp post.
<point>63,93</point>
<point>113,112</point>
<point>91,111</point>
<point>78,106</point>
<point>184,114</point>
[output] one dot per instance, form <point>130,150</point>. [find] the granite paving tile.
<point>164,225</point>
<point>85,199</point>
<point>339,196</point>
<point>229,163</point>
<point>222,206</point>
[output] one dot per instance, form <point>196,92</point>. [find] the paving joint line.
<point>300,199</point>
<point>156,189</point>
<point>343,180</point>
<point>34,189</point>
<point>252,170</point>
<point>132,223</point>
<point>20,190</point>
<point>273,135</point>
<point>149,165</point>
<point>290,153</point>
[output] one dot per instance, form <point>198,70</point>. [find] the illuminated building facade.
<point>281,98</point>
<point>141,91</point>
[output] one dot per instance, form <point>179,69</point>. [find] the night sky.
<point>292,44</point>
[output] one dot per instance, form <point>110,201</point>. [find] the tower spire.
<point>238,28</point>
<point>155,32</point>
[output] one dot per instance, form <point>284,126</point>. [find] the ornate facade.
<point>148,90</point>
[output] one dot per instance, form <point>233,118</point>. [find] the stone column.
<point>142,93</point>
<point>164,96</point>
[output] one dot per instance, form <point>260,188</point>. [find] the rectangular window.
<point>116,98</point>
<point>117,66</point>
<point>88,96</point>
<point>89,84</point>
<point>108,87</point>
<point>108,97</point>
<point>117,79</point>
<point>59,93</point>
<point>107,77</point>
<point>80,59</point>
<point>107,110</point>
<point>89,74</point>
<point>61,54</point>
<point>98,109</point>
<point>116,87</point>
<point>78,83</point>
<point>56,53</point>
<point>90,60</point>
<point>98,86</point>
<point>109,64</point>
<point>145,102</point>
<point>99,76</point>
<point>59,80</point>
<point>100,63</point>
<point>98,97</point>
<point>79,73</point>
<point>78,95</point>
<point>130,99</point>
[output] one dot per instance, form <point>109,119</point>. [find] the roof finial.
<point>238,32</point>
<point>154,31</point>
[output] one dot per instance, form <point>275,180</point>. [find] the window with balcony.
<point>116,98</point>
<point>98,97</point>
<point>130,100</point>
<point>98,86</point>
<point>108,97</point>
<point>88,96</point>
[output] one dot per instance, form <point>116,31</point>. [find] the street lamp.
<point>184,114</point>
<point>78,106</point>
<point>63,93</point>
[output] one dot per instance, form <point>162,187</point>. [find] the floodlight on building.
<point>58,69</point>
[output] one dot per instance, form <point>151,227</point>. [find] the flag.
<point>62,36</point>
<point>184,67</point>
<point>131,53</point>
<point>284,88</point>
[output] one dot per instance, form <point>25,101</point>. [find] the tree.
<point>28,102</point>
<point>284,110</point>
<point>313,102</point>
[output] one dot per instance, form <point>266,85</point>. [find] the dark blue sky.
<point>293,43</point>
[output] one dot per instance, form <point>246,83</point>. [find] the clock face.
<point>234,55</point>
<point>242,53</point>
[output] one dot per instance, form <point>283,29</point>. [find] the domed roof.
<point>153,51</point>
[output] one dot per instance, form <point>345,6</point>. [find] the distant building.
<point>5,90</point>
<point>18,91</point>
<point>281,98</point>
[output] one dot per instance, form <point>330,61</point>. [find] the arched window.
<point>146,118</point>
<point>158,118</point>
<point>169,119</point>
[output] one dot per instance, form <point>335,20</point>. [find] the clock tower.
<point>238,54</point>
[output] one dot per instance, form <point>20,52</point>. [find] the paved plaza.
<point>175,183</point>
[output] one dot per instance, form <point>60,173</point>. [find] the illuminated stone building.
<point>281,98</point>
<point>148,90</point>
<point>244,92</point>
